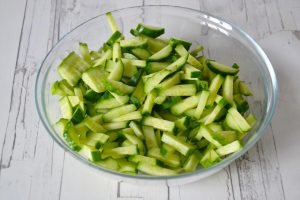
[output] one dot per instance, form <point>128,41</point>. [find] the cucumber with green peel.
<point>138,96</point>
<point>136,42</point>
<point>155,66</point>
<point>117,52</point>
<point>150,31</point>
<point>78,115</point>
<point>133,81</point>
<point>148,105</point>
<point>167,102</point>
<point>221,68</point>
<point>191,73</point>
<point>177,41</point>
<point>102,60</point>
<point>162,54</point>
<point>169,82</point>
<point>91,153</point>
<point>183,123</point>
<point>241,104</point>
<point>156,78</point>
<point>116,36</point>
<point>111,102</point>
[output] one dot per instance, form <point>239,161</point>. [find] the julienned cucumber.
<point>149,105</point>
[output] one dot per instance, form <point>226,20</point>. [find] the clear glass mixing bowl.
<point>222,41</point>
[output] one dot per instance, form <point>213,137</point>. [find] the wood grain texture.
<point>34,167</point>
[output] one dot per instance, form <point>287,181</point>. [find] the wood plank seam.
<point>3,166</point>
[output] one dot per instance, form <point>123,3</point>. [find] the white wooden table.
<point>34,167</point>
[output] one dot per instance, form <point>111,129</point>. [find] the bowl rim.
<point>272,104</point>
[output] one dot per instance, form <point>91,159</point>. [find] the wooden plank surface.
<point>34,167</point>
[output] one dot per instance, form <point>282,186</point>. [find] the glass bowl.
<point>223,42</point>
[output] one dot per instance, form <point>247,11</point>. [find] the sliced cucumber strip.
<point>184,105</point>
<point>221,68</point>
<point>135,42</point>
<point>181,146</point>
<point>143,159</point>
<point>179,90</point>
<point>72,67</point>
<point>94,79</point>
<point>155,170</point>
<point>229,148</point>
<point>160,124</point>
<point>150,31</point>
<point>176,41</point>
<point>228,89</point>
<point>150,138</point>
<point>162,54</point>
<point>116,112</point>
<point>112,23</point>
<point>85,53</point>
